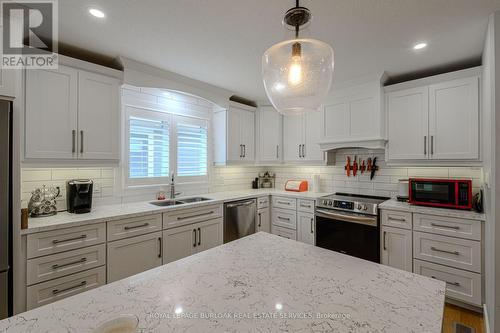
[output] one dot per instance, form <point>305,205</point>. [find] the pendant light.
<point>297,73</point>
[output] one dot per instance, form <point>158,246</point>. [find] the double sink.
<point>173,202</point>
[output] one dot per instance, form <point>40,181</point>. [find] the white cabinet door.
<point>98,116</point>
<point>293,134</point>
<point>234,145</point>
<point>305,227</point>
<point>51,113</point>
<point>270,135</point>
<point>179,243</point>
<point>313,132</point>
<point>209,234</point>
<point>134,255</point>
<point>337,121</point>
<point>396,248</point>
<point>247,132</point>
<point>454,119</point>
<point>408,124</point>
<point>8,79</point>
<point>263,220</point>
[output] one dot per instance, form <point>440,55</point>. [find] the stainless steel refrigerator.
<point>5,209</point>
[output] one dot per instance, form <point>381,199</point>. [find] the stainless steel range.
<point>349,223</point>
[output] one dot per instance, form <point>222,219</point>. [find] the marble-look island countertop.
<point>393,204</point>
<point>261,283</point>
<point>106,213</point>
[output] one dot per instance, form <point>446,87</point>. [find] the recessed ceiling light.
<point>97,13</point>
<point>419,46</point>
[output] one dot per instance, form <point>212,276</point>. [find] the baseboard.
<point>486,319</point>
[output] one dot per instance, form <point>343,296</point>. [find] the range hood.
<point>332,145</point>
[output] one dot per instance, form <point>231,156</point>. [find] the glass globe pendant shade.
<point>297,74</point>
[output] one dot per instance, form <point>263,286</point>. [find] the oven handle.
<point>371,221</point>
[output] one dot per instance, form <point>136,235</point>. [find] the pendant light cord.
<point>297,26</point>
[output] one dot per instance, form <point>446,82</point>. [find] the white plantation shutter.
<point>148,148</point>
<point>192,147</point>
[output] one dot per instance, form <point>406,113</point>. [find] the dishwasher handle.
<point>239,204</point>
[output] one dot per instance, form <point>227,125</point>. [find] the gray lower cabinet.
<point>263,220</point>
<point>305,227</point>
<point>130,256</point>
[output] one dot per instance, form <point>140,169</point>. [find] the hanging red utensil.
<point>348,167</point>
<point>355,166</point>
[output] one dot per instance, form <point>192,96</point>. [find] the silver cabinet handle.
<point>445,226</point>
<point>277,151</point>
<point>193,216</point>
<point>303,150</point>
<point>199,234</point>
<point>241,151</point>
<point>283,202</point>
<point>81,142</point>
<point>299,152</point>
<point>244,150</point>
<point>283,218</point>
<point>161,247</point>
<point>445,251</point>
<point>432,144</point>
<point>57,241</point>
<point>312,221</point>
<point>136,226</point>
<point>194,232</point>
<point>425,145</point>
<point>397,219</point>
<point>73,141</point>
<point>385,247</point>
<point>448,282</point>
<point>260,220</point>
<point>57,266</point>
<point>305,206</point>
<point>58,291</point>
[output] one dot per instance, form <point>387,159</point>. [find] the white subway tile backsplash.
<point>36,175</point>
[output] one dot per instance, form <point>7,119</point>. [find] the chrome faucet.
<point>172,187</point>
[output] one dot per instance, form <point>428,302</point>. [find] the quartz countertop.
<point>119,211</point>
<point>260,283</point>
<point>393,204</point>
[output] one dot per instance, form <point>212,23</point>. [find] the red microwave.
<point>450,193</point>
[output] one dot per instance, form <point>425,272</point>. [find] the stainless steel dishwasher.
<point>239,219</point>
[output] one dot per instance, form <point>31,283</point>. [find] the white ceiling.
<point>221,41</point>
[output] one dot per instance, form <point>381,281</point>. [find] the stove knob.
<point>360,207</point>
<point>330,203</point>
<point>364,207</point>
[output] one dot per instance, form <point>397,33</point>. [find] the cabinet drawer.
<point>284,203</point>
<point>454,252</point>
<point>55,290</point>
<point>56,241</point>
<point>135,226</point>
<point>396,219</point>
<point>447,226</point>
<point>306,206</point>
<point>65,263</point>
<point>461,285</point>
<point>284,232</point>
<point>188,216</point>
<point>262,202</point>
<point>284,218</point>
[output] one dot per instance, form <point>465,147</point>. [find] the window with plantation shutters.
<point>192,147</point>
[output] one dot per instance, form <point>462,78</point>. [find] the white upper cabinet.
<point>71,114</point>
<point>407,112</point>
<point>51,113</point>
<point>436,120</point>
<point>8,79</point>
<point>270,135</point>
<point>301,136</point>
<point>98,116</point>
<point>454,119</point>
<point>234,135</point>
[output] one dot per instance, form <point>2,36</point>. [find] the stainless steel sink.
<point>166,203</point>
<point>194,199</point>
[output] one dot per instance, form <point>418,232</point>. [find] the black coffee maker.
<point>79,196</point>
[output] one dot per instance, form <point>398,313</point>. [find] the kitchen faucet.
<point>172,187</point>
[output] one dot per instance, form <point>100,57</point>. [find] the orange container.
<point>296,185</point>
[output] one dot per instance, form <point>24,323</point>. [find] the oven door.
<point>349,233</point>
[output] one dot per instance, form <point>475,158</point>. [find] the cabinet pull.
<point>194,231</point>
<point>385,247</point>
<point>445,226</point>
<point>425,144</point>
<point>136,226</point>
<point>57,241</point>
<point>161,247</point>
<point>312,230</point>
<point>73,141</point>
<point>303,150</point>
<point>81,142</point>
<point>193,216</point>
<point>56,266</point>
<point>260,220</point>
<point>284,218</point>
<point>445,251</point>
<point>305,206</point>
<point>58,291</point>
<point>448,282</point>
<point>199,234</point>
<point>244,150</point>
<point>283,202</point>
<point>300,155</point>
<point>277,151</point>
<point>397,219</point>
<point>432,144</point>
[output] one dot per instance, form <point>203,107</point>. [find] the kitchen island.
<point>259,283</point>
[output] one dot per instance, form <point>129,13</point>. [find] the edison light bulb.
<point>295,71</point>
